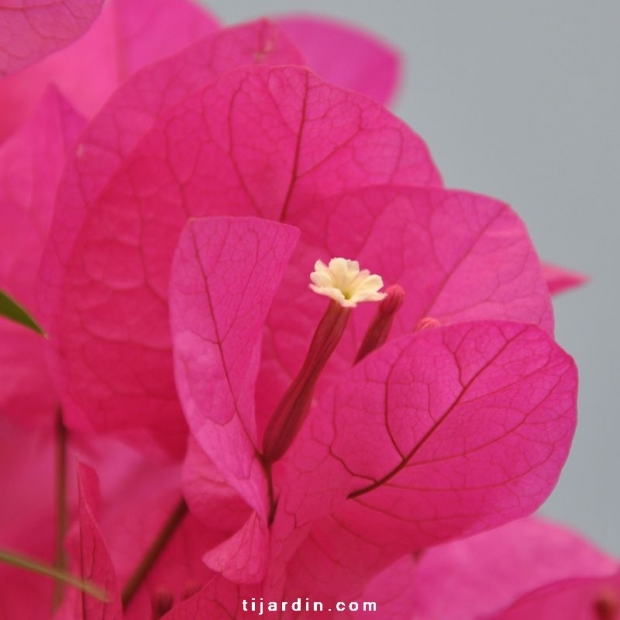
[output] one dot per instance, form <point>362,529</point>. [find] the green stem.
<point>154,552</point>
<point>62,518</point>
<point>29,564</point>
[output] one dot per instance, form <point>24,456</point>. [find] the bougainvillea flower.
<point>480,576</point>
<point>281,144</point>
<point>126,36</point>
<point>342,148</point>
<point>477,439</point>
<point>31,162</point>
<point>319,474</point>
<point>327,445</point>
<point>31,31</point>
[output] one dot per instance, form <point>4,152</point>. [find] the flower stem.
<point>291,412</point>
<point>154,552</point>
<point>272,501</point>
<point>60,559</point>
<point>29,564</point>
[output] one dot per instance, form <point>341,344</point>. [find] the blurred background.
<point>520,99</point>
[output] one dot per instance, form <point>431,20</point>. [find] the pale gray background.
<point>519,99</point>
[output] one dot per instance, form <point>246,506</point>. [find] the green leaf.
<point>34,566</point>
<point>10,309</point>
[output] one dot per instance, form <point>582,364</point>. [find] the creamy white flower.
<point>343,281</point>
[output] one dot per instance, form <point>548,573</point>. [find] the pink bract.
<point>481,410</point>
<point>246,167</point>
<point>29,31</point>
<point>468,425</point>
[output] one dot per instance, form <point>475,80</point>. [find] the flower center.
<point>344,282</point>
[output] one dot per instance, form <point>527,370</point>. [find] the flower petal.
<point>438,435</point>
<point>224,275</point>
<point>208,155</point>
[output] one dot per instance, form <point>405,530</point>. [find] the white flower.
<point>343,281</point>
